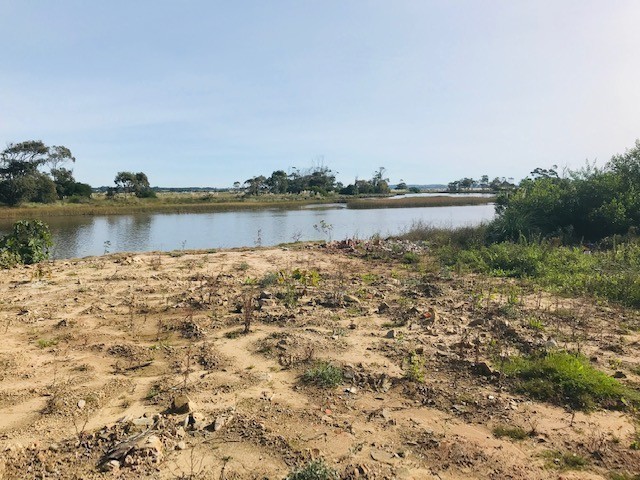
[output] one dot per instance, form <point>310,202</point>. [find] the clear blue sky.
<point>203,93</point>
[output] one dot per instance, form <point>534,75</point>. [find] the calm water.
<point>85,235</point>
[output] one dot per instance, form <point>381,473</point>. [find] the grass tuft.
<point>323,374</point>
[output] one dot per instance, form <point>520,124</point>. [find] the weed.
<point>414,369</point>
<point>47,342</point>
<point>514,433</point>
<point>153,392</point>
<point>411,258</point>
<point>323,374</point>
<point>315,470</point>
<point>564,378</point>
<point>535,324</point>
<point>565,460</point>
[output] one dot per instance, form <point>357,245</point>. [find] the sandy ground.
<point>137,366</point>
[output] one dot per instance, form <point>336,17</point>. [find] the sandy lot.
<point>137,366</point>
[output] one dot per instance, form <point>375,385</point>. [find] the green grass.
<point>315,470</point>
<point>565,460</point>
<point>514,433</point>
<point>568,379</point>
<point>414,369</point>
<point>323,374</point>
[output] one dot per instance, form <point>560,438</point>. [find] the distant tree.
<point>401,185</point>
<point>20,177</point>
<point>278,182</point>
<point>255,185</point>
<point>136,183</point>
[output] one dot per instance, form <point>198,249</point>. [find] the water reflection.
<point>82,236</point>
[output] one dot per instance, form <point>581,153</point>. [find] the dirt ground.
<point>138,366</point>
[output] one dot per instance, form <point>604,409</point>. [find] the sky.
<point>206,93</point>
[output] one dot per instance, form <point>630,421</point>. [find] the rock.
<point>483,368</point>
<point>391,334</point>
<point>111,466</point>
<point>143,422</point>
<point>477,322</point>
<point>383,457</point>
<point>619,374</point>
<point>385,414</point>
<point>180,433</point>
<point>81,404</point>
<point>383,307</point>
<point>352,326</point>
<point>181,404</point>
<point>220,422</point>
<point>152,447</point>
<point>195,421</point>
<point>181,445</point>
<point>350,299</point>
<point>54,447</point>
<point>266,294</point>
<point>550,344</point>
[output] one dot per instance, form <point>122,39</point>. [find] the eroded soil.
<point>137,366</point>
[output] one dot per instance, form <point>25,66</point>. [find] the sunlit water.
<point>81,236</point>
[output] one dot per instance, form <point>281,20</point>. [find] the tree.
<point>20,177</point>
<point>136,183</point>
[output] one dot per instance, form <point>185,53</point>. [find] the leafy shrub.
<point>323,374</point>
<point>28,243</point>
<point>563,378</point>
<point>315,470</point>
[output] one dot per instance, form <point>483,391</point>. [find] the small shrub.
<point>28,243</point>
<point>315,470</point>
<point>323,374</point>
<point>414,370</point>
<point>411,258</point>
<point>514,433</point>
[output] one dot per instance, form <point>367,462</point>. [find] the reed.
<point>416,202</point>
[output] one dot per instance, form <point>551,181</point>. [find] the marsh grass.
<point>411,202</point>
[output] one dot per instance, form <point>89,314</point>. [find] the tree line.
<point>317,180</point>
<point>483,183</point>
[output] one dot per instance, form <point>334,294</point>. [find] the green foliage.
<point>28,243</point>
<point>591,203</point>
<point>410,258</point>
<point>323,374</point>
<point>567,379</point>
<point>20,177</point>
<point>136,183</point>
<point>47,342</point>
<point>414,369</point>
<point>514,433</point>
<point>315,470</point>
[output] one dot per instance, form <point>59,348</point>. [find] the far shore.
<point>207,202</point>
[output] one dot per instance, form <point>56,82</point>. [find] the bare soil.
<point>138,366</point>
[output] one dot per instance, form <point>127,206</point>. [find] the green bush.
<point>28,243</point>
<point>515,433</point>
<point>567,379</point>
<point>315,470</point>
<point>323,374</point>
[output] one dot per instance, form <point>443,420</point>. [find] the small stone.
<point>350,299</point>
<point>391,334</point>
<point>180,433</point>
<point>352,326</point>
<point>181,404</point>
<point>81,404</point>
<point>181,445</point>
<point>111,466</point>
<point>266,294</point>
<point>143,422</point>
<point>220,422</point>
<point>54,447</point>
<point>383,307</point>
<point>477,322</point>
<point>619,374</point>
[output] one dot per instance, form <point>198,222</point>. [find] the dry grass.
<point>411,202</point>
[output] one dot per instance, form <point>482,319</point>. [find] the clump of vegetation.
<point>414,369</point>
<point>514,433</point>
<point>28,243</point>
<point>47,342</point>
<point>315,470</point>
<point>323,374</point>
<point>565,460</point>
<point>568,379</point>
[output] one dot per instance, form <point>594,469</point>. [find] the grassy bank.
<point>165,203</point>
<point>611,273</point>
<point>410,202</point>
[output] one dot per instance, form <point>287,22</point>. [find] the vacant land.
<point>366,359</point>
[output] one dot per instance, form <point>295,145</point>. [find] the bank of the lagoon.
<point>79,236</point>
